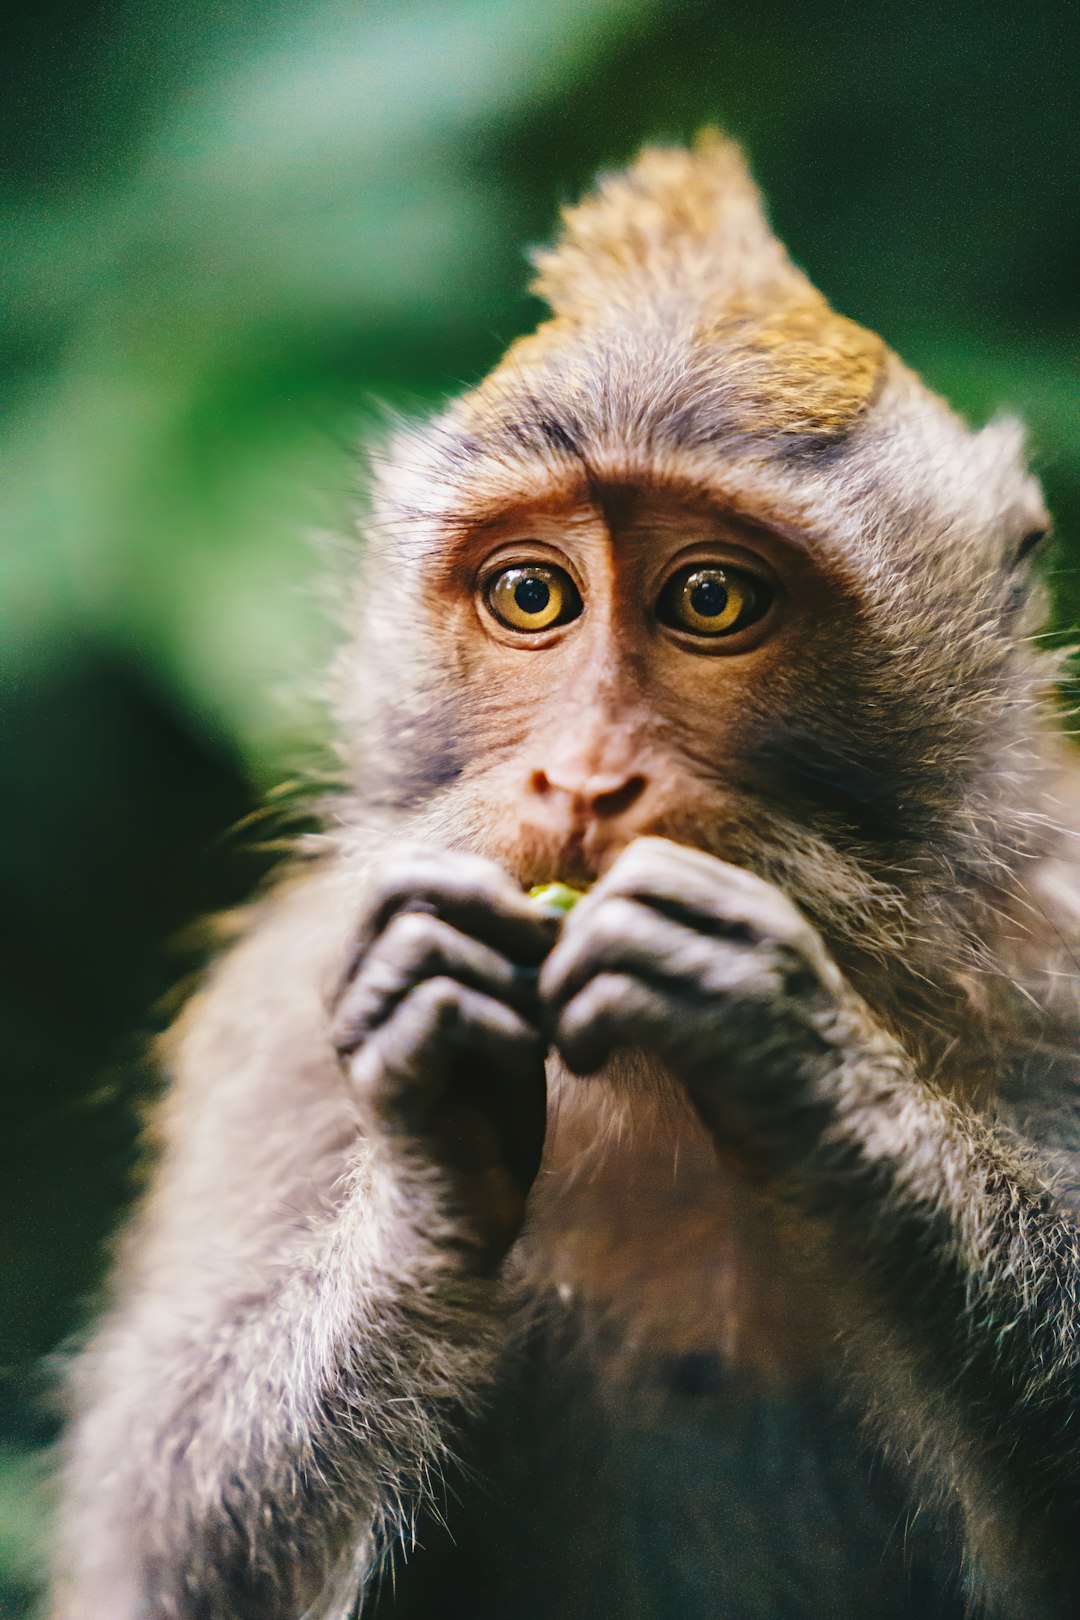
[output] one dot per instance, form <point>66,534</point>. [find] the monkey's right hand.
<point>436,1027</point>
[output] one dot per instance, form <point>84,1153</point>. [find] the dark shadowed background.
<point>233,231</point>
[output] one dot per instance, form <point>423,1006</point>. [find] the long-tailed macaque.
<point>711,1251</point>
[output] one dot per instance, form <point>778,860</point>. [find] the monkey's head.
<point>703,558</point>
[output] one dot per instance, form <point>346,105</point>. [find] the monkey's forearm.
<point>225,1469</point>
<point>957,1274</point>
<point>961,1277</point>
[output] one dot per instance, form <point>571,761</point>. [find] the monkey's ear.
<point>1019,577</point>
<point>1028,531</point>
<point>1000,490</point>
<point>1022,558</point>
<point>1028,548</point>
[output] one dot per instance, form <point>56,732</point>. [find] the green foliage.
<point>302,230</point>
<point>24,1498</point>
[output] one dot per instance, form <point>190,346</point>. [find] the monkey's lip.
<point>576,875</point>
<point>578,861</point>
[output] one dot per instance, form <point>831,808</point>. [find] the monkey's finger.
<point>417,946</point>
<point>407,1063</point>
<point>620,936</point>
<point>657,870</point>
<point>473,894</point>
<point>651,853</point>
<point>691,886</point>
<point>625,936</point>
<point>613,1010</point>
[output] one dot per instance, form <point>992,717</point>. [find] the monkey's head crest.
<point>685,348</point>
<point>670,270</point>
<point>679,243</point>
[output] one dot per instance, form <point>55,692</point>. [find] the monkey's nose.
<point>599,796</point>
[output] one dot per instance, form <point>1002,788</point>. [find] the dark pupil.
<point>532,595</point>
<point>708,598</point>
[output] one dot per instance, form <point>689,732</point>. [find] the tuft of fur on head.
<point>680,241</point>
<point>677,220</point>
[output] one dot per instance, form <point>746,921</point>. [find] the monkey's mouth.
<point>575,874</point>
<point>578,860</point>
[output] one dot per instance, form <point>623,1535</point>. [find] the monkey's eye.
<point>533,597</point>
<point>710,600</point>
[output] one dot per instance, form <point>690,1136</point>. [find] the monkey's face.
<point>701,558</point>
<point>632,665</point>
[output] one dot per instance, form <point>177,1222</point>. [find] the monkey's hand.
<point>716,970</point>
<point>436,1027</point>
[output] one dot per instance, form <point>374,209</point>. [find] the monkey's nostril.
<point>613,801</point>
<point>602,796</point>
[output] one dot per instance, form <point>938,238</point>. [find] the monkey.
<point>711,1249</point>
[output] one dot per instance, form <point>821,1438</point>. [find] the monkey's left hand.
<point>716,971</point>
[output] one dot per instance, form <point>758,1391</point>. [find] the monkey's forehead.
<point>795,373</point>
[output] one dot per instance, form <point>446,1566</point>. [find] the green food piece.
<point>555,896</point>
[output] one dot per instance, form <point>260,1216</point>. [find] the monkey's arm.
<point>957,1271</point>
<point>311,1290</point>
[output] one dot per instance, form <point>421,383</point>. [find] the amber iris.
<point>533,597</point>
<point>710,600</point>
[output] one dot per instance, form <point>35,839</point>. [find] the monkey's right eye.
<point>532,597</point>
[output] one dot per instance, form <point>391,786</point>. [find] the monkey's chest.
<point>698,1497</point>
<point>662,1446</point>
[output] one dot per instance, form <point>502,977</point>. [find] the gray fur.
<point>862,981</point>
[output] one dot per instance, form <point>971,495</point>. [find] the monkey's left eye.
<point>533,597</point>
<point>710,600</point>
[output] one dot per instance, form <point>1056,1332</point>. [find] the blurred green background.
<point>233,232</point>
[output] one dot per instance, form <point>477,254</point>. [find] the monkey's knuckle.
<point>397,877</point>
<point>345,1037</point>
<point>366,1072</point>
<point>457,868</point>
<point>412,870</point>
<point>740,979</point>
<point>797,932</point>
<point>769,913</point>
<point>379,983</point>
<point>645,857</point>
<point>354,1016</point>
<point>790,964</point>
<point>437,1002</point>
<point>413,940</point>
<point>607,997</point>
<point>790,927</point>
<point>610,921</point>
<point>624,915</point>
<point>479,868</point>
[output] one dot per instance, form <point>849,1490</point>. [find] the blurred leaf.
<point>310,196</point>
<point>25,1501</point>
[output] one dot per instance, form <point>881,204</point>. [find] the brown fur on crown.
<point>680,243</point>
